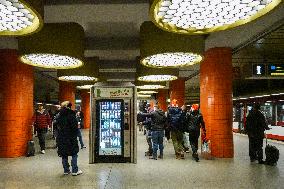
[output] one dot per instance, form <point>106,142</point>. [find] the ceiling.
<point>112,34</point>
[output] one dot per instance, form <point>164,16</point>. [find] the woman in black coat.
<point>67,138</point>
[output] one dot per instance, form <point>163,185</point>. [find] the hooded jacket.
<point>158,120</point>
<point>67,126</point>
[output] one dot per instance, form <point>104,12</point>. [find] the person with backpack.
<point>176,126</point>
<point>194,122</point>
<point>255,126</point>
<point>158,123</point>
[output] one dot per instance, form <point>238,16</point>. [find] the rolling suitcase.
<point>271,153</point>
<point>31,148</point>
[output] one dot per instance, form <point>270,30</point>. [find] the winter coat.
<point>175,119</point>
<point>193,122</point>
<point>158,120</point>
<point>67,133</point>
<point>256,124</point>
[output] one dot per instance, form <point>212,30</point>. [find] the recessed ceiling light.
<point>84,86</point>
<point>147,92</point>
<point>51,61</point>
<point>156,78</point>
<point>17,18</point>
<point>143,96</point>
<point>151,87</point>
<point>77,78</point>
<point>178,59</point>
<point>204,16</point>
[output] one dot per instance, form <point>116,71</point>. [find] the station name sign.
<point>268,70</point>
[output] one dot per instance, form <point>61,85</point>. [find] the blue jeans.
<point>79,134</point>
<point>66,165</point>
<point>157,139</point>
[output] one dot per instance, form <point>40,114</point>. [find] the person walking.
<point>80,126</point>
<point>174,117</point>
<point>41,123</point>
<point>194,122</point>
<point>255,126</point>
<point>158,123</point>
<point>67,142</point>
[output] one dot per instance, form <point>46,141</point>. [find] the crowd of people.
<point>182,125</point>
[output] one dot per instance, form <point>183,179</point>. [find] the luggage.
<point>271,153</point>
<point>31,148</point>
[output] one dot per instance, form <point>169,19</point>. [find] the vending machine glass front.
<point>110,119</point>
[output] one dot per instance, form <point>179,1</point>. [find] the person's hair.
<point>66,104</point>
<point>256,106</point>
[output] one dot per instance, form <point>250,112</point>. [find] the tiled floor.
<point>46,172</point>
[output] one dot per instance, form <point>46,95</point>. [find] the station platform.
<point>44,171</point>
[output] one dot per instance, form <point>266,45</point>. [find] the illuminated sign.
<point>276,69</point>
<point>258,69</point>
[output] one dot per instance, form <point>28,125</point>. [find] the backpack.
<point>175,119</point>
<point>192,123</point>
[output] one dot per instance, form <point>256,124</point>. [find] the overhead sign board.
<point>276,69</point>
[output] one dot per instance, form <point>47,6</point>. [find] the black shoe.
<point>83,147</point>
<point>252,160</point>
<point>154,158</point>
<point>261,162</point>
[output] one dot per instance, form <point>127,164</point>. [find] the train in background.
<point>272,105</point>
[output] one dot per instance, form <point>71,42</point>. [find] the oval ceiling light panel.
<point>77,78</point>
<point>157,78</point>
<point>18,18</point>
<point>172,60</point>
<point>150,87</point>
<point>84,86</point>
<point>147,92</point>
<point>143,96</point>
<point>205,16</point>
<point>51,61</point>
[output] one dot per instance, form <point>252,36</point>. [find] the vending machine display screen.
<point>110,131</point>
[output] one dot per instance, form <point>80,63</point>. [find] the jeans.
<point>41,133</point>
<point>66,165</point>
<point>255,148</point>
<point>79,134</point>
<point>157,139</point>
<point>149,142</point>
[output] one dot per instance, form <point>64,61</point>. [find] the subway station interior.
<point>112,60</point>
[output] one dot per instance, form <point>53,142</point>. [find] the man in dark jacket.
<point>174,117</point>
<point>158,121</point>
<point>255,127</point>
<point>67,138</point>
<point>194,122</point>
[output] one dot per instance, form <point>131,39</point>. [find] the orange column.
<point>216,100</point>
<point>85,107</point>
<point>67,92</point>
<point>16,99</point>
<point>177,95</point>
<point>162,99</point>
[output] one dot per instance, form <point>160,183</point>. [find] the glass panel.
<point>110,128</point>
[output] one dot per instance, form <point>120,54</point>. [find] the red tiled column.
<point>216,100</point>
<point>85,107</point>
<point>177,94</point>
<point>16,99</point>
<point>67,92</point>
<point>162,99</point>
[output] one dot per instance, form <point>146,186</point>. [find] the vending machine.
<point>112,132</point>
